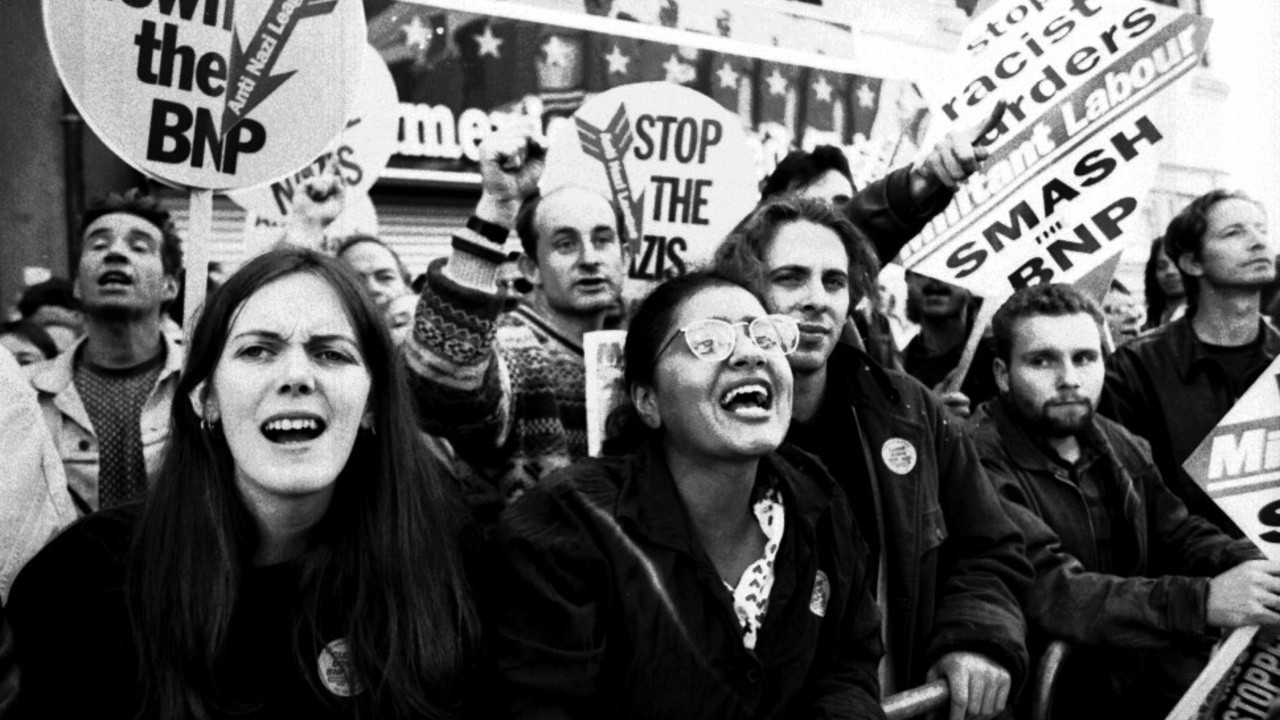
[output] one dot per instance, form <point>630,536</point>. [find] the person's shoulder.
<point>873,378</point>
<point>590,475</point>
<point>175,350</point>
<point>524,328</point>
<point>1158,340</point>
<point>52,376</point>
<point>983,425</point>
<point>916,399</point>
<point>589,482</point>
<point>90,554</point>
<point>1130,448</point>
<point>797,463</point>
<point>104,535</point>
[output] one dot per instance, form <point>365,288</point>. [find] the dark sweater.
<point>73,640</point>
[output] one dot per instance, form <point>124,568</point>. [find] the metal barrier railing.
<point>935,695</point>
<point>917,701</point>
<point>1047,679</point>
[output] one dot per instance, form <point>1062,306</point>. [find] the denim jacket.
<point>73,434</point>
<point>34,504</point>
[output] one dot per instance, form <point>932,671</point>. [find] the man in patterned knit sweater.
<point>106,399</point>
<point>508,388</point>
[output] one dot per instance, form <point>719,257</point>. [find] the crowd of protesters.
<point>350,493</point>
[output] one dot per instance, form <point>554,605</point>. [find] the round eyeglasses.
<point>714,339</point>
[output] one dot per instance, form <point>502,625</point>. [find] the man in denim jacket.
<point>106,399</point>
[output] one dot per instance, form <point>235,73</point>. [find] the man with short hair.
<point>1134,583</point>
<point>951,572</point>
<point>1173,385</point>
<point>507,388</point>
<point>106,400</point>
<point>824,174</point>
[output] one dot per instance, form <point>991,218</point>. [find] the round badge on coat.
<point>336,671</point>
<point>899,455</point>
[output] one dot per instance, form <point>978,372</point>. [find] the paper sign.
<point>1239,682</point>
<point>1076,151</point>
<point>674,161</point>
<point>360,153</point>
<point>358,217</point>
<point>606,389</point>
<point>212,94</point>
<point>1238,464</point>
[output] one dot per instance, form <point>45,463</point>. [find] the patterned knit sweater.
<point>509,392</point>
<point>504,387</point>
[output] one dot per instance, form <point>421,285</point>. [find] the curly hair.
<point>1051,299</point>
<point>742,254</point>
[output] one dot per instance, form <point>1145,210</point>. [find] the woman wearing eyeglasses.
<point>709,573</point>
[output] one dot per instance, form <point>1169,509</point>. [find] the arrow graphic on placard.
<point>250,79</point>
<point>610,147</point>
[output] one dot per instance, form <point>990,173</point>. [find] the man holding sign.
<point>1138,586</point>
<point>1173,385</point>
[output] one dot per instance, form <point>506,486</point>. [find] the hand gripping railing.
<point>935,695</point>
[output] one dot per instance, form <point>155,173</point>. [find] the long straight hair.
<point>384,561</point>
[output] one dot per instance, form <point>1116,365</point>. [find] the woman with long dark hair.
<point>1162,285</point>
<point>709,573</point>
<point>297,557</point>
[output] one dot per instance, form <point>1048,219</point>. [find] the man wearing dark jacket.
<point>949,565</point>
<point>1174,384</point>
<point>1124,574</point>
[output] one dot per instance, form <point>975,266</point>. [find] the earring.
<point>209,421</point>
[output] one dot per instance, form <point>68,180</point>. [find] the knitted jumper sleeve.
<point>455,371</point>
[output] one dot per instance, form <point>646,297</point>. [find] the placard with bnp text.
<point>210,94</point>
<point>1076,151</point>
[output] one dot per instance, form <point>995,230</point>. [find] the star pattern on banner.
<point>677,71</point>
<point>557,51</point>
<point>489,43</point>
<point>777,83</point>
<point>416,34</point>
<point>617,61</point>
<point>866,96</point>
<point>728,76</point>
<point>822,89</point>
